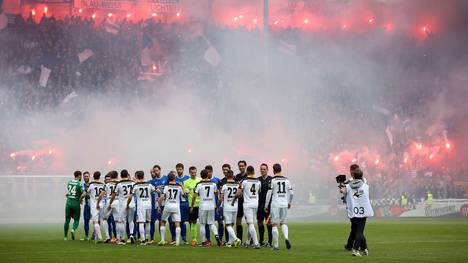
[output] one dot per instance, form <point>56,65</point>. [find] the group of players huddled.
<point>178,199</point>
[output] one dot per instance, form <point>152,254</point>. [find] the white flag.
<point>212,56</point>
<point>45,73</point>
<point>146,57</point>
<point>83,56</point>
<point>69,97</point>
<point>389,135</point>
<point>111,27</point>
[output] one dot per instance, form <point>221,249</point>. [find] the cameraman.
<point>358,206</point>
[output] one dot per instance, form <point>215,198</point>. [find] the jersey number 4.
<point>253,190</point>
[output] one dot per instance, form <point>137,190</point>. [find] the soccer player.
<point>184,206</point>
<point>158,181</point>
<point>122,190</point>
<point>225,168</point>
<point>250,189</point>
<point>261,214</point>
<point>207,191</point>
<point>108,210</point>
<point>279,196</point>
<point>229,204</point>
<point>72,207</point>
<point>240,208</point>
<point>87,208</point>
<point>189,187</point>
<point>94,192</point>
<point>218,210</point>
<point>142,191</point>
<point>171,196</point>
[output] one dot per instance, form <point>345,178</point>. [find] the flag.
<point>69,97</point>
<point>212,56</point>
<point>389,135</point>
<point>3,21</point>
<point>45,73</point>
<point>381,110</point>
<point>111,27</point>
<point>148,44</point>
<point>286,47</point>
<point>83,56</point>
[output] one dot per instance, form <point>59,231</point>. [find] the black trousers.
<point>356,239</point>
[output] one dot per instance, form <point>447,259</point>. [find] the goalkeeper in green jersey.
<point>72,207</point>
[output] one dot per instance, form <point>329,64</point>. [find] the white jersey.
<point>122,190</point>
<point>142,194</point>
<point>281,191</point>
<point>251,189</point>
<point>173,194</point>
<point>229,191</point>
<point>93,191</point>
<point>206,190</point>
<point>109,188</point>
<point>357,201</point>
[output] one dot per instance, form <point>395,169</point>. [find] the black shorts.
<point>193,216</point>
<point>240,209</point>
<point>261,214</point>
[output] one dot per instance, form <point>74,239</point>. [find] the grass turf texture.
<point>404,240</point>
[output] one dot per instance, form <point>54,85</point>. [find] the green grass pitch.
<point>404,240</point>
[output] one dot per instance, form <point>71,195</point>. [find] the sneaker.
<point>218,242</point>
<point>108,241</point>
<point>65,238</point>
<point>114,240</point>
<point>288,244</point>
<point>185,242</point>
<point>206,244</point>
<point>194,243</point>
<point>121,242</point>
<point>366,252</point>
<point>257,246</point>
<point>237,242</point>
<point>274,249</point>
<point>162,243</point>
<point>173,242</point>
<point>150,242</point>
<point>356,253</point>
<point>132,239</point>
<point>72,232</point>
<point>143,243</point>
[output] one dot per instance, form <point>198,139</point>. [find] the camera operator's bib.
<point>357,202</point>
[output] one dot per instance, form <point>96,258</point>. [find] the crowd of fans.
<point>116,68</point>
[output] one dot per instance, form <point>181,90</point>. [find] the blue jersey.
<point>180,181</point>
<point>216,180</point>
<point>158,183</point>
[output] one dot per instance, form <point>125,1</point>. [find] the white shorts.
<point>206,217</point>
<point>278,215</point>
<point>126,215</point>
<point>250,214</point>
<point>95,214</point>
<point>143,215</point>
<point>173,213</point>
<point>230,217</point>
<point>106,212</point>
